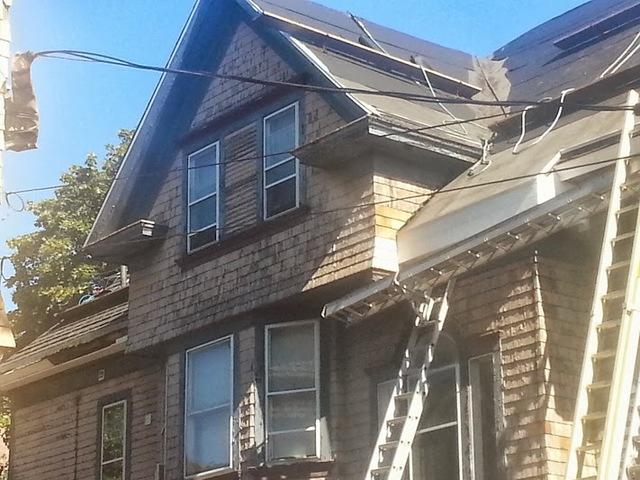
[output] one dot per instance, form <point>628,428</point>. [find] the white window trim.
<point>316,333</point>
<point>296,107</point>
<point>124,439</point>
<point>221,470</point>
<point>191,203</point>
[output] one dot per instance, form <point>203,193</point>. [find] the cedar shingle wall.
<point>542,326</point>
<point>167,300</point>
<point>45,436</point>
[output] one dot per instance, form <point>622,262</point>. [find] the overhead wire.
<point>16,193</point>
<point>428,195</point>
<point>116,61</point>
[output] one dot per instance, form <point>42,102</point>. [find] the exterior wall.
<point>537,308</point>
<point>58,437</point>
<point>255,262</point>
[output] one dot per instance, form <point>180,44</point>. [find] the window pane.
<point>112,471</point>
<point>202,238</point>
<point>441,404</point>
<point>292,411</point>
<point>281,171</point>
<point>113,422</point>
<point>209,377</point>
<point>292,445</point>
<point>435,455</point>
<point>202,173</point>
<point>281,197</point>
<point>481,379</point>
<point>280,136</point>
<point>291,358</point>
<point>203,214</point>
<point>207,442</point>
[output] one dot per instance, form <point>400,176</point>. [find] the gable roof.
<point>294,28</point>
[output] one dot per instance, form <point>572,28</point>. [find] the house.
<point>289,218</point>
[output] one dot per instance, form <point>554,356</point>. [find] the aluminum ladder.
<point>404,411</point>
<point>606,410</point>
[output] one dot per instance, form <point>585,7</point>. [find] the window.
<point>483,417</point>
<point>113,439</point>
<point>436,447</point>
<point>208,408</point>
<point>292,386</point>
<point>203,201</point>
<point>280,169</point>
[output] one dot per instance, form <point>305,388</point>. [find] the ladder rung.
<point>599,386</point>
<point>633,470</point>
<point>592,447</point>
<point>627,209</point>
<point>618,265</point>
<point>609,325</point>
<point>404,396</point>
<point>630,183</point>
<point>615,295</point>
<point>604,355</point>
<point>385,447</point>
<point>394,422</point>
<point>380,471</point>
<point>594,417</point>
<point>624,236</point>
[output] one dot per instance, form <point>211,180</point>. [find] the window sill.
<point>227,244</point>
<point>222,473</point>
<point>293,468</point>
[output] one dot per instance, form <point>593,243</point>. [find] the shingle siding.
<point>58,437</point>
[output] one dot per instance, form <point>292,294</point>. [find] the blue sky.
<point>82,106</point>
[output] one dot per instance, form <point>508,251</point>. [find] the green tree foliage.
<point>50,268</point>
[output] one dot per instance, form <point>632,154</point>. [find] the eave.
<point>372,133</point>
<point>561,212</point>
<point>21,376</point>
<point>128,241</point>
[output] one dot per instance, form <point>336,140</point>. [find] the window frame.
<point>296,106</point>
<point>267,394</point>
<point>226,469</point>
<point>217,144</point>
<point>494,356</point>
<point>125,437</point>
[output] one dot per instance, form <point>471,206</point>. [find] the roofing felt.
<point>351,73</point>
<point>538,67</point>
<point>68,335</point>
<point>446,60</point>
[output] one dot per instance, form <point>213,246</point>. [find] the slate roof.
<point>68,335</point>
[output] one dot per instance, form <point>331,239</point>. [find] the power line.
<point>260,157</point>
<point>429,195</point>
<point>87,56</point>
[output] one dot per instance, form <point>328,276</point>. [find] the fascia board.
<point>163,84</point>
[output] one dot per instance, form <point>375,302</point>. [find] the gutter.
<point>562,211</point>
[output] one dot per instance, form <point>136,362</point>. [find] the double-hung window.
<point>292,386</point>
<point>281,184</point>
<point>113,440</point>
<point>208,408</point>
<point>203,197</point>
